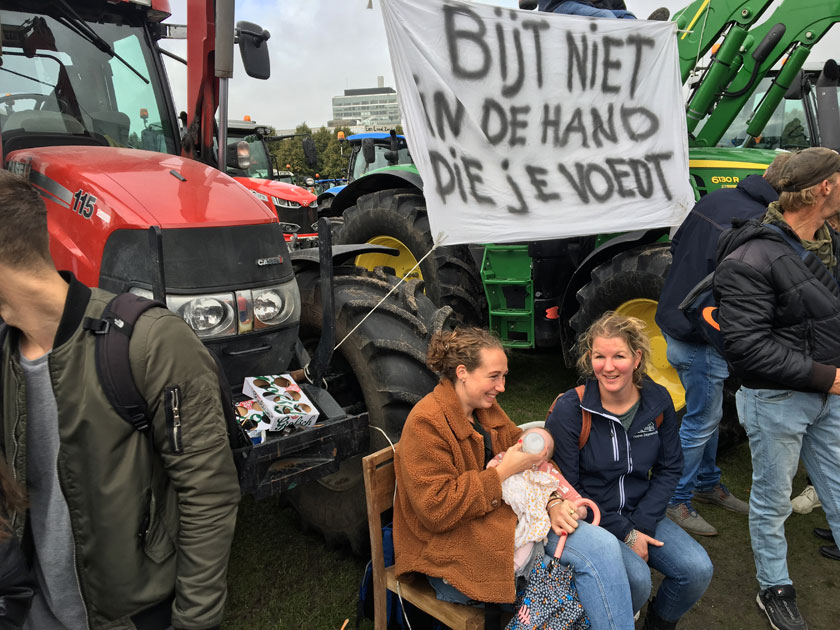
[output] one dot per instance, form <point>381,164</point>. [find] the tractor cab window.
<point>70,81</point>
<point>787,128</point>
<point>360,167</point>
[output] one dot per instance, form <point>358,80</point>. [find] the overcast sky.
<point>319,48</point>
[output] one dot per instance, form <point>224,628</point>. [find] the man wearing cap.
<point>776,282</point>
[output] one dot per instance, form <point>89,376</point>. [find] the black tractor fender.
<point>371,183</point>
<point>583,274</point>
<point>340,253</point>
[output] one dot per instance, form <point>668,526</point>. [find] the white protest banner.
<point>528,125</point>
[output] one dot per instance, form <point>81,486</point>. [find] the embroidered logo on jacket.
<point>648,431</point>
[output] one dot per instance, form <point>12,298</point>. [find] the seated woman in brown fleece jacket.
<point>451,525</point>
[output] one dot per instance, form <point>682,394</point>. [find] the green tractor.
<point>542,294</point>
<point>383,204</point>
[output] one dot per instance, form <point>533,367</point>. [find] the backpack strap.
<point>585,419</point>
<point>113,332</point>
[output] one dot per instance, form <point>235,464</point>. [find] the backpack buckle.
<point>140,422</point>
<point>97,326</point>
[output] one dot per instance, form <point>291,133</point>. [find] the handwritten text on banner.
<point>529,125</point>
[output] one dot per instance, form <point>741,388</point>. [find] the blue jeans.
<point>576,8</point>
<point>702,372</point>
<point>684,563</point>
<point>782,426</point>
<point>600,577</point>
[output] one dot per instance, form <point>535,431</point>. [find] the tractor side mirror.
<point>310,153</point>
<point>253,48</point>
<point>239,155</point>
<point>368,150</point>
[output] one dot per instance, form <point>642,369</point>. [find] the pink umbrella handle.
<point>596,518</point>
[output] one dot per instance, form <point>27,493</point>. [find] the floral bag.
<point>549,601</point>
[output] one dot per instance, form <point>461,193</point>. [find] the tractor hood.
<point>713,168</point>
<point>266,189</point>
<point>130,188</point>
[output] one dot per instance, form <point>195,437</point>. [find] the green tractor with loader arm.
<point>542,294</point>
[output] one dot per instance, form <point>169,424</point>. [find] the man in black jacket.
<point>702,370</point>
<point>779,313</point>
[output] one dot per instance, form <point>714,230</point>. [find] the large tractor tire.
<point>380,368</point>
<point>397,218</point>
<point>630,283</point>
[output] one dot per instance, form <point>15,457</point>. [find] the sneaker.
<point>807,501</point>
<point>685,516</point>
<point>779,604</point>
<point>660,15</point>
<point>720,495</point>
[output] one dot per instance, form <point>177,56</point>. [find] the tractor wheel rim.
<point>403,263</point>
<point>658,367</point>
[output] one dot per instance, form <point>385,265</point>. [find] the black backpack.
<point>113,332</point>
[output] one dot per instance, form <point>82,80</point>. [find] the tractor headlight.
<point>284,203</point>
<point>208,315</point>
<point>227,314</point>
<point>275,305</point>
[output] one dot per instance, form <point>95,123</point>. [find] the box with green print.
<point>282,400</point>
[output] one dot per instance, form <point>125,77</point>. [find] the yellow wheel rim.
<point>402,264</point>
<point>658,367</point>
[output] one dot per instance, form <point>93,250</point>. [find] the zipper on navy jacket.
<point>614,439</point>
<point>172,404</point>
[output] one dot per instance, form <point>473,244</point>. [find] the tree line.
<point>333,154</point>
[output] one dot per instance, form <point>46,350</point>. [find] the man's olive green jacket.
<point>151,515</point>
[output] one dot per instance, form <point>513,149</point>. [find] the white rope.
<point>385,297</point>
<point>702,32</point>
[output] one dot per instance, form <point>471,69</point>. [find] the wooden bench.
<point>378,469</point>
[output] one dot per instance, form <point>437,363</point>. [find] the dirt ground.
<point>730,600</point>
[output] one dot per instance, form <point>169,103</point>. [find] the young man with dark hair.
<point>126,528</point>
<point>701,368</point>
<point>779,313</point>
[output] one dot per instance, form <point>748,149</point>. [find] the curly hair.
<point>611,325</point>
<point>450,348</point>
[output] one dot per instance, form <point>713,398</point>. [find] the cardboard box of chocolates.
<point>253,419</point>
<point>282,400</point>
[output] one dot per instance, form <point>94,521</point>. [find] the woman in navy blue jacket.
<point>630,465</point>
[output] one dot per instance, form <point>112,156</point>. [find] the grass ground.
<point>282,577</point>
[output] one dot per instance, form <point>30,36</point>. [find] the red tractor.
<point>87,116</point>
<point>295,206</point>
